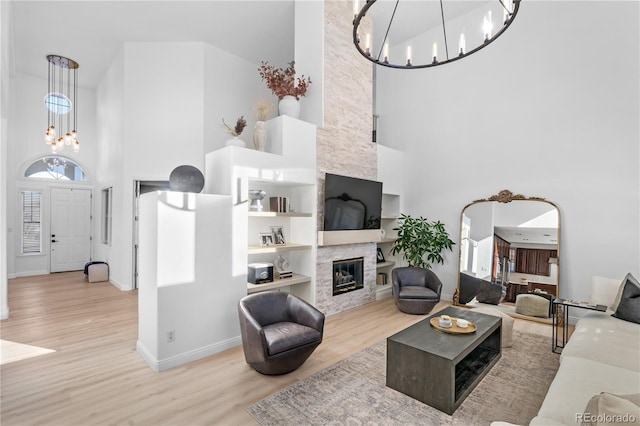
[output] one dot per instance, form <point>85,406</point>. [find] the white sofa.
<point>602,355</point>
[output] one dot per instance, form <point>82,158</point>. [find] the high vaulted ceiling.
<point>92,32</point>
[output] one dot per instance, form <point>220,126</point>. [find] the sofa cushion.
<point>596,322</point>
<point>604,291</point>
<point>610,345</point>
<point>610,409</point>
<point>417,292</point>
<point>577,381</point>
<point>283,336</point>
<point>629,307</point>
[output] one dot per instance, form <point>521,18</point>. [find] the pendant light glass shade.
<point>61,103</point>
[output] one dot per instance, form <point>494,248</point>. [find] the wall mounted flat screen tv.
<point>351,203</point>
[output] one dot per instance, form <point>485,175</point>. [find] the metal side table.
<point>561,307</point>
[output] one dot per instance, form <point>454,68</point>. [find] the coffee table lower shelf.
<point>441,369</point>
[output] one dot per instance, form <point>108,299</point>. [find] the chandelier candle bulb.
<point>434,52</point>
<point>487,26</point>
<point>462,44</point>
<point>408,55</point>
<point>356,8</point>
<point>367,43</point>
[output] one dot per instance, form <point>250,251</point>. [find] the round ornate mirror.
<point>509,246</point>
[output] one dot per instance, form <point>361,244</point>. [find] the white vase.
<point>259,136</point>
<point>235,141</point>
<point>290,106</point>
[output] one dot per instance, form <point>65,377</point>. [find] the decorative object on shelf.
<point>290,106</point>
<point>383,233</point>
<point>256,196</point>
<point>284,84</point>
<point>259,130</point>
<point>186,179</point>
<point>429,27</point>
<point>259,273</point>
<point>279,204</point>
<point>62,88</point>
<point>278,235</point>
<point>235,132</point>
<point>381,278</point>
<point>282,268</point>
<point>418,237</point>
<point>266,239</point>
<point>380,256</point>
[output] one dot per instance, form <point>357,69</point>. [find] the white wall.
<point>546,110</point>
<point>6,64</point>
<point>157,114</point>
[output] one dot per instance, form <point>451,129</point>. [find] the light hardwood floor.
<point>95,377</point>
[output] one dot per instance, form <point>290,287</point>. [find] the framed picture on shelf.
<point>266,239</point>
<point>277,233</point>
<point>380,256</point>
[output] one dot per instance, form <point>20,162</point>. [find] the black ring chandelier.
<point>459,20</point>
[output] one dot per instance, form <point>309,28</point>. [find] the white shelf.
<point>277,214</point>
<point>385,264</point>
<point>277,248</point>
<point>286,282</point>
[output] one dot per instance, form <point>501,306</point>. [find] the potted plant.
<point>418,237</point>
<point>284,84</point>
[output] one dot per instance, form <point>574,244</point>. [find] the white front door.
<point>70,229</point>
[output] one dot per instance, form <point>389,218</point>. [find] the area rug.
<point>353,392</point>
<point>12,351</point>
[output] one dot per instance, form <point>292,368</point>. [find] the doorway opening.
<point>142,187</point>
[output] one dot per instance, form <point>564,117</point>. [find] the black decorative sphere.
<point>186,179</point>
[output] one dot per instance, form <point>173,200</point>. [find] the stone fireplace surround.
<point>325,300</point>
<point>344,147</point>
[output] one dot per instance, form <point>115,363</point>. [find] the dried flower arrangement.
<point>237,130</point>
<point>262,109</point>
<point>283,82</point>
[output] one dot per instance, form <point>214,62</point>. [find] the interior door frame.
<point>141,186</point>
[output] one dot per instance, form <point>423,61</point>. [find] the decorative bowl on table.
<point>445,321</point>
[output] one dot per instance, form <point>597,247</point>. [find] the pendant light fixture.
<point>421,30</point>
<point>61,102</point>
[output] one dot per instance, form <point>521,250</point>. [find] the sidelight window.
<point>31,225</point>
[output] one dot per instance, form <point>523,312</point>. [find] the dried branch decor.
<point>236,131</point>
<point>283,82</point>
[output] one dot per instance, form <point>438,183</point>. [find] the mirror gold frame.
<point>505,197</point>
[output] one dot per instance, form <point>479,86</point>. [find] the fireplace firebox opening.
<point>348,275</point>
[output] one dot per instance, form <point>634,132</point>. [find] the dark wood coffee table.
<point>442,369</point>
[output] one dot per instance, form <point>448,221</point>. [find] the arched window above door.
<point>56,168</point>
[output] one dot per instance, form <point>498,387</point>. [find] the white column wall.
<point>546,110</point>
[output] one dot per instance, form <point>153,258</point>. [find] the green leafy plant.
<point>418,237</point>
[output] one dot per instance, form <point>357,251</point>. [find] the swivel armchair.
<point>415,290</point>
<point>279,331</point>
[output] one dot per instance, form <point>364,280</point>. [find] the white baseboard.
<point>383,292</point>
<point>29,274</point>
<point>119,286</point>
<point>4,312</point>
<point>11,276</point>
<point>186,357</point>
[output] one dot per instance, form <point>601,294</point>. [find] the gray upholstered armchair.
<point>415,290</point>
<point>279,331</point>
